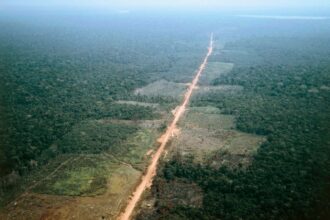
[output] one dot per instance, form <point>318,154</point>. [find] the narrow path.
<point>147,178</point>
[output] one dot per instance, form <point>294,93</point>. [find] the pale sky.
<point>173,3</point>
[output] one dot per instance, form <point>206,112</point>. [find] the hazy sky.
<point>172,3</point>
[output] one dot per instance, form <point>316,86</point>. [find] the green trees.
<point>54,78</point>
<point>288,178</point>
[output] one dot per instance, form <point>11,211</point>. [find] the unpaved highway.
<point>147,178</point>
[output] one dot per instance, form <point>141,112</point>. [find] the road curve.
<point>147,178</point>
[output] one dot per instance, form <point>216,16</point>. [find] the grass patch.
<point>208,118</point>
<point>237,152</point>
<point>122,179</point>
<point>85,176</point>
<point>145,104</point>
<point>213,71</point>
<point>134,149</point>
<point>108,197</point>
<point>86,180</point>
<point>163,88</point>
<point>196,142</point>
<point>211,138</point>
<point>92,173</point>
<point>120,186</point>
<point>238,56</point>
<point>243,143</point>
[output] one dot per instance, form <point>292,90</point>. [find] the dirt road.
<point>147,178</point>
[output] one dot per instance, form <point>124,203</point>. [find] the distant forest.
<point>53,77</point>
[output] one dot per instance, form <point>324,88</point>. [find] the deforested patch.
<point>163,88</point>
<point>214,70</point>
<point>211,138</point>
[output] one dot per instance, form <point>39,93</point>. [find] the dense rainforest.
<point>59,71</point>
<point>56,74</point>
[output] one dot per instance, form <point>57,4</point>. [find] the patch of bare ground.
<point>215,70</point>
<point>211,138</point>
<point>34,206</point>
<point>121,181</point>
<point>237,152</point>
<point>105,206</point>
<point>145,104</point>
<point>148,124</point>
<point>163,88</point>
<point>197,142</point>
<point>89,186</point>
<point>207,117</point>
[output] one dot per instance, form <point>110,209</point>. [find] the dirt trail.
<point>147,178</point>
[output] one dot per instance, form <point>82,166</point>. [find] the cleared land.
<point>163,88</point>
<point>145,104</point>
<point>89,186</point>
<point>237,152</point>
<point>215,70</point>
<point>210,137</point>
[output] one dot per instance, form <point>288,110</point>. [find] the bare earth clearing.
<point>88,186</point>
<point>211,138</point>
<point>163,88</point>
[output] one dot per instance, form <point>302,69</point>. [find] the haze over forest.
<point>147,109</point>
